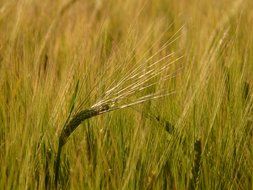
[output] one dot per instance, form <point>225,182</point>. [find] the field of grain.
<point>126,94</point>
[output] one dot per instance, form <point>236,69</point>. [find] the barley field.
<point>126,94</point>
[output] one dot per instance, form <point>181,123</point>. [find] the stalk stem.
<point>70,128</point>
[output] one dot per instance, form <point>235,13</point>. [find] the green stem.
<point>70,128</point>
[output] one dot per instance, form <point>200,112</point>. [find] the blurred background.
<point>59,56</point>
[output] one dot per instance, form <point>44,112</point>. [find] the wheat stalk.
<point>124,94</point>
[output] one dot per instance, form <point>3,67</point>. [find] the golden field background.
<point>58,56</point>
